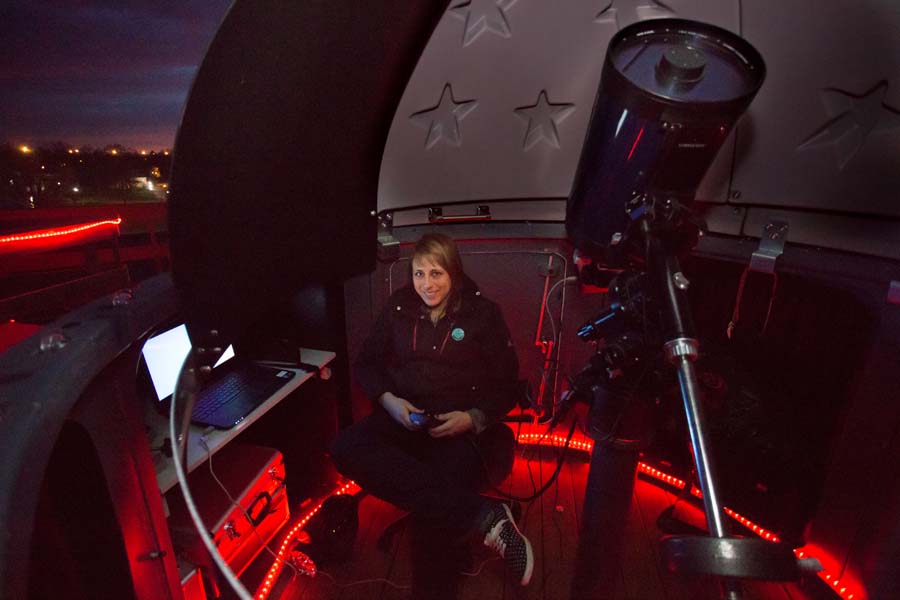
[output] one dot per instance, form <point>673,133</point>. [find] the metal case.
<point>244,516</point>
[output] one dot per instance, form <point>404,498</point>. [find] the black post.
<point>601,539</point>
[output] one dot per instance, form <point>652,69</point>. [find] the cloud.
<point>71,69</point>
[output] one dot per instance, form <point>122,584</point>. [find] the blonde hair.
<point>443,251</point>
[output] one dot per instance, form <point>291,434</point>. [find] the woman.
<point>439,348</point>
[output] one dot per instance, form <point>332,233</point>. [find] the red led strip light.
<point>291,538</point>
<point>56,232</point>
<point>844,590</point>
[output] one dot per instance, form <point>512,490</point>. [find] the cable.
<point>186,387</point>
<point>547,484</point>
<point>563,281</point>
<point>397,586</point>
<point>557,334</point>
<point>480,567</point>
<point>364,581</point>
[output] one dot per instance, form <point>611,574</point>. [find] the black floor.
<point>551,522</point>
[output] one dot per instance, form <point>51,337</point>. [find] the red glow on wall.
<point>291,539</point>
<point>44,239</point>
<point>842,586</point>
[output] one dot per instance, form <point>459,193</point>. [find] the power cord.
<point>476,573</point>
<point>547,484</point>
<point>480,567</point>
<point>364,581</point>
<point>183,399</point>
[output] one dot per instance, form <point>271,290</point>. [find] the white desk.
<point>215,439</point>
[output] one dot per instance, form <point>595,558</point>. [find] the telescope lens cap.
<point>683,64</point>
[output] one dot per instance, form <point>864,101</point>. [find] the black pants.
<point>437,480</point>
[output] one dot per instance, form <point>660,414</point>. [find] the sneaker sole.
<point>529,553</point>
<point>529,566</point>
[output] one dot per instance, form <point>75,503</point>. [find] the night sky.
<point>98,72</point>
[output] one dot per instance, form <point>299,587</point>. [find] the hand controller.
<point>424,420</point>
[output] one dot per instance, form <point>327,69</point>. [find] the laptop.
<point>234,389</point>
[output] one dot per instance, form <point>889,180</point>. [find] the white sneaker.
<point>504,537</point>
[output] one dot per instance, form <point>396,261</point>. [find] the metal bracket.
<point>388,245</point>
<point>771,246</point>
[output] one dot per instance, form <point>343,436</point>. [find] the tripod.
<point>659,231</point>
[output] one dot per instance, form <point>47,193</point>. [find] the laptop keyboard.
<point>249,388</point>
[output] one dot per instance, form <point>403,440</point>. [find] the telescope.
<point>670,92</point>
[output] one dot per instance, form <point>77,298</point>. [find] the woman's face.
<point>432,282</point>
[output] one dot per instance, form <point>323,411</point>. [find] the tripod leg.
<point>687,379</point>
<point>681,350</point>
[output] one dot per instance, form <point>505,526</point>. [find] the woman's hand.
<point>399,409</point>
<point>455,423</point>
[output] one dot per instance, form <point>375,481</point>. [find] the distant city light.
<point>75,189</point>
<point>143,153</point>
<point>166,152</point>
<point>42,167</point>
<point>150,185</point>
<point>113,151</point>
<point>25,149</point>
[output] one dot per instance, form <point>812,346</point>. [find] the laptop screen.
<point>164,354</point>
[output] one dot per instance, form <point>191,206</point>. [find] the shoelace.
<point>494,540</point>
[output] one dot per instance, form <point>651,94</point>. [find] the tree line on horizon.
<point>61,174</point>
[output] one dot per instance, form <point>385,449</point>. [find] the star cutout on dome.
<point>543,119</point>
<point>852,119</point>
<point>442,121</point>
<point>649,9</point>
<point>479,16</point>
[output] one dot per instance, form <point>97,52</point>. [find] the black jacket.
<point>465,361</point>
